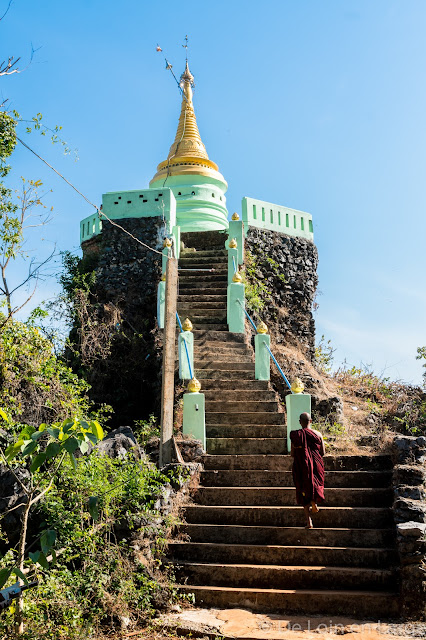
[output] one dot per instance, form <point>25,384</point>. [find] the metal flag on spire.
<point>185,46</point>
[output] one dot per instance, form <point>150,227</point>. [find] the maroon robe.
<point>308,466</point>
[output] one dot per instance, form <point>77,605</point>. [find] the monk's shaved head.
<point>305,419</point>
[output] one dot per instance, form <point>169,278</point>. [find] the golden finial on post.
<point>167,243</point>
<point>235,216</point>
<point>262,328</point>
<point>187,325</point>
<point>194,386</point>
<point>163,277</point>
<point>237,277</point>
<point>232,243</point>
<point>297,386</point>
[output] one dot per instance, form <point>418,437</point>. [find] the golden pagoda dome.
<point>235,216</point>
<point>187,155</point>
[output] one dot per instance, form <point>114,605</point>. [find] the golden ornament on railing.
<point>297,386</point>
<point>233,244</point>
<point>187,325</point>
<point>235,216</point>
<point>194,385</point>
<point>262,328</point>
<point>167,243</point>
<point>237,277</point>
<point>163,277</point>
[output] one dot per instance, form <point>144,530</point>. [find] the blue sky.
<point>317,105</point>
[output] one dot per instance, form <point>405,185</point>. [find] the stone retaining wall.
<point>127,275</point>
<point>409,509</point>
<point>288,310</point>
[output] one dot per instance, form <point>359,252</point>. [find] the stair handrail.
<point>186,346</point>
<point>265,345</point>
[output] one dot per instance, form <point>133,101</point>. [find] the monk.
<point>307,449</point>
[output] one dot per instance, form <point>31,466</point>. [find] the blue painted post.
<point>296,403</point>
<point>194,416</point>
<point>235,309</point>
<point>161,303</point>
<point>232,256</point>
<point>236,230</point>
<point>185,368</point>
<point>262,367</point>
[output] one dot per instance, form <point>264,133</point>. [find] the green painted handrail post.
<point>161,303</point>
<point>296,403</point>
<point>194,416</point>
<point>236,230</point>
<point>184,369</point>
<point>235,307</point>
<point>232,255</point>
<point>262,366</point>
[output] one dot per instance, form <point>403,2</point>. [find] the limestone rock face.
<point>287,267</point>
<point>118,442</point>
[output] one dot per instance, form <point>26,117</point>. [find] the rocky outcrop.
<point>409,509</point>
<point>287,267</point>
<point>127,275</point>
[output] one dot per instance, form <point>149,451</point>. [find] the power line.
<point>100,212</point>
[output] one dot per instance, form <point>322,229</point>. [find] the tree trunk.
<point>19,619</point>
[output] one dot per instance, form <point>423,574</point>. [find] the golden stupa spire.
<point>187,154</point>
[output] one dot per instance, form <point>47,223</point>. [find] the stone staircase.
<point>246,543</point>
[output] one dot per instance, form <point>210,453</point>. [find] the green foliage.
<point>421,355</point>
<point>276,269</point>
<point>256,292</point>
<point>77,274</point>
<point>324,355</point>
<point>7,140</point>
<point>99,577</point>
<point>36,386</point>
<point>146,429</point>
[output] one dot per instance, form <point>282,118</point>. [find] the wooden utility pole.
<point>168,385</point>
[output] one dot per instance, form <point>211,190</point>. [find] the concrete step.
<point>284,462</point>
<point>200,307</point>
<point>238,406</point>
<point>213,336</point>
<point>268,478</point>
<point>286,496</point>
<point>220,365</point>
<point>245,431</point>
<point>360,604</point>
<point>347,517</point>
<point>225,354</point>
<point>245,417</point>
<point>203,256</point>
<point>210,358</point>
<point>205,279</point>
<point>290,577</point>
<point>207,326</point>
<point>246,445</point>
<point>217,316</point>
<point>183,299</point>
<point>210,374</point>
<point>240,384</point>
<point>289,536</point>
<point>202,268</point>
<point>200,289</point>
<point>283,555</point>
<point>239,395</point>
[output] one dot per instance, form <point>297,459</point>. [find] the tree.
<point>42,451</point>
<point>421,355</point>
